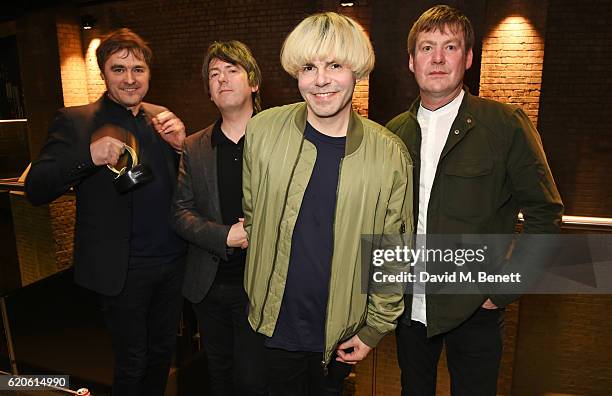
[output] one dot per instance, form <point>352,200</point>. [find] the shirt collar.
<point>218,137</point>
<point>452,106</point>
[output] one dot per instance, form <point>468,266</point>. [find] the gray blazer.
<point>196,214</point>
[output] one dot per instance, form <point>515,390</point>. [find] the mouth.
<point>437,73</point>
<point>323,94</point>
<point>129,90</point>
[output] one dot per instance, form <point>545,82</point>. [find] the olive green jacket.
<point>492,166</point>
<point>374,197</point>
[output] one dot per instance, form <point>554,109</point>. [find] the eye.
<point>213,75</point>
<point>451,47</point>
<point>117,69</point>
<point>335,66</point>
<point>426,48</point>
<point>307,69</point>
<point>139,70</point>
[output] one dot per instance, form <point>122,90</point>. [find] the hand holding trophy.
<point>108,146</point>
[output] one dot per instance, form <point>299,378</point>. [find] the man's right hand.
<point>106,151</point>
<point>237,236</point>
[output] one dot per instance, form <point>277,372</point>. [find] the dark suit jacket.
<point>197,214</point>
<point>103,216</point>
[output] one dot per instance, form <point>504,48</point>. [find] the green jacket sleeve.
<point>385,306</point>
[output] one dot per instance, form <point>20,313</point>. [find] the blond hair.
<point>328,35</point>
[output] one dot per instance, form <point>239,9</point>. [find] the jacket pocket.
<point>466,187</point>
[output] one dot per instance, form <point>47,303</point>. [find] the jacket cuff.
<point>370,336</point>
<point>224,251</point>
<point>79,164</point>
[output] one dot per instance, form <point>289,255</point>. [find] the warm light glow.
<point>512,61</point>
<point>347,4</point>
<point>95,84</point>
<point>72,67</point>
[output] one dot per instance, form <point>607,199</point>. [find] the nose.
<point>222,77</point>
<point>438,56</point>
<point>129,77</point>
<point>322,77</point>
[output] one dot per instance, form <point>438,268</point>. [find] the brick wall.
<point>44,236</point>
<point>511,72</point>
<point>564,346</point>
<point>575,118</point>
<point>513,53</point>
<point>72,64</point>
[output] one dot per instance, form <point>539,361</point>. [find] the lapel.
<point>206,165</point>
<point>170,156</point>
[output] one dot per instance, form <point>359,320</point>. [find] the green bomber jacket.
<point>374,197</point>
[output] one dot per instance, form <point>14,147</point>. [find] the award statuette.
<point>137,175</point>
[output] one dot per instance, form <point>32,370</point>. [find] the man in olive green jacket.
<point>317,177</point>
<point>477,163</point>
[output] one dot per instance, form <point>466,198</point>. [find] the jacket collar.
<point>461,125</point>
<point>354,134</point>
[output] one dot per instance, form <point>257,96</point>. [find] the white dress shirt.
<point>435,127</point>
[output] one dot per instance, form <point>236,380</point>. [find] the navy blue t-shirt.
<point>301,321</point>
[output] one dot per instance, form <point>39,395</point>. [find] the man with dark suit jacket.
<point>208,214</point>
<point>125,249</point>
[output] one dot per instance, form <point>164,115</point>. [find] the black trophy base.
<point>139,175</point>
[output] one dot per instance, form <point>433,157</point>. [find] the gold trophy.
<point>132,174</point>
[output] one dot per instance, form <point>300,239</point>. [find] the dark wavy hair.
<point>236,53</point>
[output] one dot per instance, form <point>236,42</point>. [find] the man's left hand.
<point>170,128</point>
<point>360,351</point>
<point>488,304</point>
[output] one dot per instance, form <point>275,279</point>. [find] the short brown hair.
<point>119,40</point>
<point>439,18</point>
<point>234,52</point>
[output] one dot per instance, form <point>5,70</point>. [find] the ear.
<point>255,88</point>
<point>102,76</point>
<point>468,59</point>
<point>411,63</point>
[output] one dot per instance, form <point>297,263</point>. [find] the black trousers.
<point>142,321</point>
<point>473,354</point>
<point>301,374</point>
<point>235,352</point>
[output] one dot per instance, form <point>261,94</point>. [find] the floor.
<point>57,329</point>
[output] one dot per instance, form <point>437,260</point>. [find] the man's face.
<point>439,63</point>
<point>229,86</point>
<point>126,78</point>
<point>327,87</point>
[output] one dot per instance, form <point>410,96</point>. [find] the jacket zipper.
<point>278,235</point>
<point>324,362</point>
